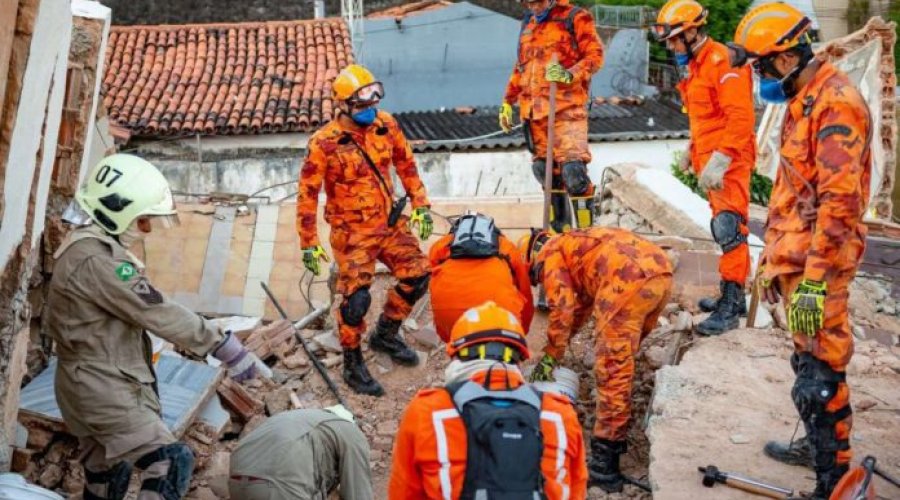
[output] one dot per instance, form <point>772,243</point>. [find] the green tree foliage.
<point>724,16</point>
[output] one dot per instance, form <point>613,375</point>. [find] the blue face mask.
<point>365,117</point>
<point>543,15</point>
<point>772,90</point>
<point>682,59</point>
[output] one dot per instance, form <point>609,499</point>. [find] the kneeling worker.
<point>624,281</point>
<point>302,454</point>
<point>473,264</point>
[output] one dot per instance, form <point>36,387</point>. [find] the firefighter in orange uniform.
<point>554,28</point>
<point>473,255</point>
<point>487,431</point>
<point>719,104</point>
<point>623,281</point>
<point>352,156</point>
<point>815,237</point>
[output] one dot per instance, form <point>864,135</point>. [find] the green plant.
<point>760,185</point>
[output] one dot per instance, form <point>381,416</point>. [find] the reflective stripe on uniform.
<point>726,76</point>
<point>443,454</point>
<point>562,443</point>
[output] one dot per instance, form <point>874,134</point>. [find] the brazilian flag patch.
<point>125,271</point>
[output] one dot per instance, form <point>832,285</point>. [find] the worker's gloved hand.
<point>241,363</point>
<point>768,288</point>
<point>556,73</point>
<point>806,314</point>
<point>713,175</point>
<point>312,256</point>
<point>341,411</point>
<point>543,372</point>
<point>422,218</point>
<point>506,117</point>
<point>684,163</point>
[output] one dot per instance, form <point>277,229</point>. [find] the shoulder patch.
<point>146,292</point>
<point>834,130</point>
<point>125,271</point>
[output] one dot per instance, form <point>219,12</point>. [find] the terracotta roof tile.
<point>224,79</point>
<point>409,9</point>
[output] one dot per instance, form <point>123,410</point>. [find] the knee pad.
<point>412,289</point>
<point>726,230</point>
<point>175,483</point>
<point>115,479</point>
<point>355,306</point>
<point>816,385</point>
<point>575,177</point>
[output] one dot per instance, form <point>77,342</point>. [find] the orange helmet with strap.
<point>488,332</point>
<point>676,16</point>
<point>771,28</point>
<point>357,85</point>
<point>529,247</point>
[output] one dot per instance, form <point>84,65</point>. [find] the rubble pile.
<point>615,213</point>
<point>876,291</point>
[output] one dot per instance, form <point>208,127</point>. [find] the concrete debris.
<point>242,326</point>
<point>265,341</point>
<point>238,400</point>
<point>215,416</point>
<point>329,342</point>
<point>683,322</point>
<point>739,439</point>
<point>218,472</point>
<point>426,336</point>
<point>410,325</point>
<point>51,476</point>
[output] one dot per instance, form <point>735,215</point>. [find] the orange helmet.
<point>488,332</point>
<point>357,85</point>
<point>676,16</point>
<point>769,29</point>
<point>529,247</point>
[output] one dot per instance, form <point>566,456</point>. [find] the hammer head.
<point>710,474</point>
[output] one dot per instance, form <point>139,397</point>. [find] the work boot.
<point>387,339</point>
<point>357,375</point>
<point>603,464</point>
<point>725,317</point>
<point>796,452</point>
<point>826,481</point>
<point>709,304</point>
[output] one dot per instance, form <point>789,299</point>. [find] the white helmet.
<point>122,188</point>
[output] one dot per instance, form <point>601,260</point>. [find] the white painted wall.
<point>94,10</point>
<point>42,95</point>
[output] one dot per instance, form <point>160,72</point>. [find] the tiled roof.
<point>221,79</point>
<point>401,11</point>
<point>610,120</point>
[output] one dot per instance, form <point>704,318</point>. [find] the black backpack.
<point>475,236</point>
<point>504,442</point>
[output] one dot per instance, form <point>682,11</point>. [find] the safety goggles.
<point>496,351</point>
<point>368,95</point>
<point>663,31</point>
<point>164,221</point>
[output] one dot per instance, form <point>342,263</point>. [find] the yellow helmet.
<point>357,85</point>
<point>771,28</point>
<point>676,16</point>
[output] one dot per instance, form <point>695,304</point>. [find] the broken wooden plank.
<point>238,400</point>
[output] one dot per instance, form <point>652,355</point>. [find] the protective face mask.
<point>772,90</point>
<point>544,14</point>
<point>365,117</point>
<point>682,58</point>
<point>131,235</point>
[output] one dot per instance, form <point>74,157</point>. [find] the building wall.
<point>32,109</point>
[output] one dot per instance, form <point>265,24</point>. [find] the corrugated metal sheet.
<point>183,385</point>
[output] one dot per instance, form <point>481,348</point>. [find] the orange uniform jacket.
<point>537,45</point>
<point>825,160</point>
<point>356,199</point>
<point>454,284</point>
<point>430,449</point>
<point>719,104</point>
<point>589,271</point>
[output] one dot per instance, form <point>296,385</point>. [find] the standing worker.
<point>558,43</point>
<point>815,237</point>
<point>488,434</point>
<point>99,308</point>
<point>722,152</point>
<point>352,156</point>
<point>302,454</point>
<point>475,253</point>
<point>622,280</point>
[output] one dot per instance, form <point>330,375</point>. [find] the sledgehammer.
<point>712,475</point>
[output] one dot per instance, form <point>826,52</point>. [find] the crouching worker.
<point>302,454</point>
<point>624,282</point>
<point>473,264</point>
<point>99,307</point>
<point>488,434</point>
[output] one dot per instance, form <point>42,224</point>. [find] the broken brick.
<point>238,400</point>
<point>20,458</point>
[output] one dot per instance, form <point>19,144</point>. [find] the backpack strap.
<point>568,22</point>
<point>465,392</point>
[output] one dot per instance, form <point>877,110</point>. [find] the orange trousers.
<point>833,344</point>
<point>637,309</point>
<point>734,197</point>
<point>356,253</point>
<point>570,136</point>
